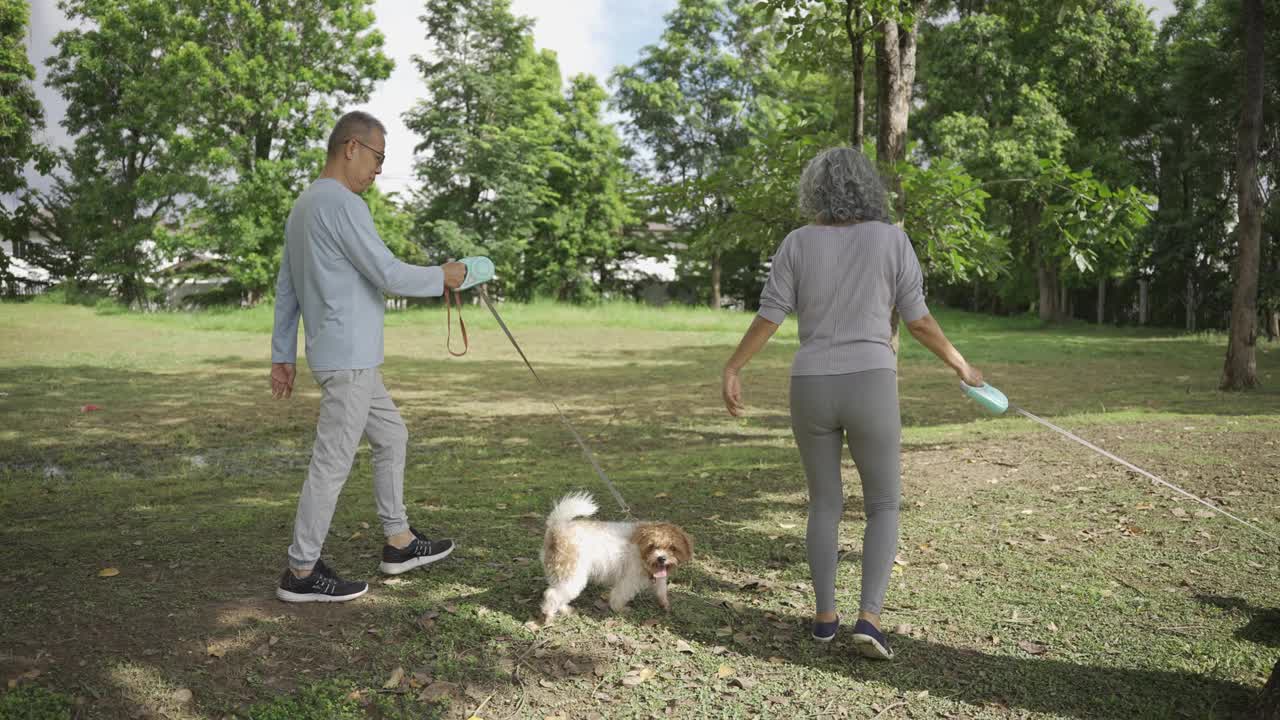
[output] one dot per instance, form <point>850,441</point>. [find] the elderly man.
<point>334,273</point>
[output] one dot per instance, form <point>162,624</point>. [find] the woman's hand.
<point>971,375</point>
<point>731,390</point>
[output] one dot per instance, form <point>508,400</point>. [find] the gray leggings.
<point>863,405</point>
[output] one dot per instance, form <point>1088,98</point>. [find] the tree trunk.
<point>715,281</point>
<point>1144,300</point>
<point>1273,325</point>
<point>896,72</point>
<point>858,56</point>
<point>1269,702</point>
<point>1102,301</point>
<point>1189,301</point>
<point>1047,279</point>
<point>1239,371</point>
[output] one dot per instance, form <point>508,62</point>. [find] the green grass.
<point>1038,580</point>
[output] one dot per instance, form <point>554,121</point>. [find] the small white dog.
<point>627,556</point>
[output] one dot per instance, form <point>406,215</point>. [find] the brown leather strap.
<point>448,343</point>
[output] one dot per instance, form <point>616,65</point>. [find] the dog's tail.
<point>573,505</point>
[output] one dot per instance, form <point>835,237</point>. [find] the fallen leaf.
<point>355,536</point>
<point>1032,648</point>
<point>744,683</point>
<point>182,696</point>
<point>661,496</point>
<point>683,647</point>
<point>393,682</point>
<point>724,671</point>
<point>89,408</point>
<point>438,691</point>
<point>546,683</point>
<point>364,526</point>
<point>636,677</point>
<point>216,651</point>
<point>1205,514</point>
<point>1178,512</point>
<point>786,526</point>
<point>108,572</point>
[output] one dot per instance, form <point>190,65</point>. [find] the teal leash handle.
<point>480,270</point>
<point>995,402</point>
<point>991,399</point>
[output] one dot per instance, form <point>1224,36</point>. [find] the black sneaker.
<point>421,551</point>
<point>322,585</point>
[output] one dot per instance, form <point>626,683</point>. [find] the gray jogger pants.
<point>864,407</point>
<point>354,403</point>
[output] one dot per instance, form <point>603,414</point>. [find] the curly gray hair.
<point>841,185</point>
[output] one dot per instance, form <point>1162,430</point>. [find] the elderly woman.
<point>842,276</point>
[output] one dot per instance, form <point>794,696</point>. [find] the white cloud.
<point>575,31</point>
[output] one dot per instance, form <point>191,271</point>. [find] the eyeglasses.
<point>382,156</point>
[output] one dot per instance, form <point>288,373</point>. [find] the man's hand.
<point>454,274</point>
<point>971,375</point>
<point>282,375</point>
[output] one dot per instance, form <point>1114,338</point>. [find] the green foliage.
<point>511,167</point>
<point>280,73</point>
<point>32,702</point>
<point>1038,104</point>
<point>690,99</point>
<point>213,168</point>
<point>134,157</point>
<point>945,218</point>
<point>20,117</point>
<point>581,226</point>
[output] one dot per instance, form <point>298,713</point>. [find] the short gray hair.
<point>358,124</point>
<point>841,185</point>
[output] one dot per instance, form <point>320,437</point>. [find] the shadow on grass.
<point>1263,627</point>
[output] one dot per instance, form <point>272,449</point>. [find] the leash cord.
<point>591,458</point>
<point>1140,471</point>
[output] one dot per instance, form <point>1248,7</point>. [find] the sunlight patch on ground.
<point>146,687</point>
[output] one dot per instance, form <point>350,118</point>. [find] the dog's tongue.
<point>660,574</point>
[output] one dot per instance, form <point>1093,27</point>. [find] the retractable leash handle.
<point>479,271</point>
<point>991,399</point>
<point>995,402</point>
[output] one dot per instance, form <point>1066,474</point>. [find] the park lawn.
<point>1035,579</point>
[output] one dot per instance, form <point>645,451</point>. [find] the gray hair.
<point>357,124</point>
<point>841,185</point>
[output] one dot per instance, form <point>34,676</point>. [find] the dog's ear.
<point>645,538</point>
<point>684,545</point>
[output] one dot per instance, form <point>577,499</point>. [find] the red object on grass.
<point>89,408</point>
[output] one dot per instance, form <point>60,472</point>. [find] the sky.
<point>588,36</point>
